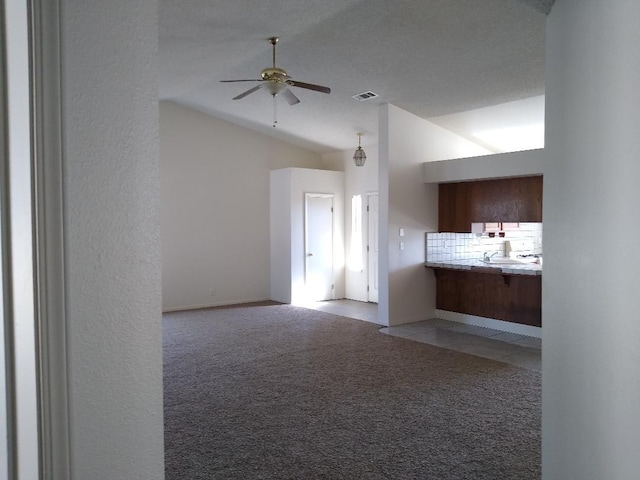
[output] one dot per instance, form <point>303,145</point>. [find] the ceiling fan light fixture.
<point>275,88</point>
<point>359,157</point>
<point>276,82</point>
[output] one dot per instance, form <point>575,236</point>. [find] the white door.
<point>373,248</point>
<point>318,246</point>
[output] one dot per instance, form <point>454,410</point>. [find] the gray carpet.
<point>281,392</point>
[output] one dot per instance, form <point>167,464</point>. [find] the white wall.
<point>515,164</point>
<point>111,182</point>
<point>288,274</point>
<point>406,141</point>
<point>280,235</point>
<point>506,127</point>
<point>215,207</point>
<point>590,301</point>
<point>358,181</point>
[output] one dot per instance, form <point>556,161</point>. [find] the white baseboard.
<point>211,305</point>
<point>501,325</point>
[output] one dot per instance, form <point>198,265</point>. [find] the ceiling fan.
<point>277,81</point>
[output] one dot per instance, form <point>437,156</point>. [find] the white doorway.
<point>373,248</point>
<point>318,238</point>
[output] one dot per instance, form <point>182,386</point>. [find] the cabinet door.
<point>529,189</point>
<point>508,200</point>
<point>493,201</point>
<point>447,207</point>
<point>453,207</point>
<point>462,217</point>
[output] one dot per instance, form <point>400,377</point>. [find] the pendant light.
<point>359,156</point>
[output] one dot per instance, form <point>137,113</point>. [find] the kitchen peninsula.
<point>494,272</point>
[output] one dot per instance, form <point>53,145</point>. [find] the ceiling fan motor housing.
<point>276,79</point>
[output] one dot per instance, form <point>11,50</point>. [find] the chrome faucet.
<point>487,257</point>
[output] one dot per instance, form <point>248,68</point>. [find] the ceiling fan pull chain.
<point>275,111</point>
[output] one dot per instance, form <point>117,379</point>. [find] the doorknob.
<point>309,254</point>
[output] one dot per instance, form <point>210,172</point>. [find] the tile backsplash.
<point>442,247</point>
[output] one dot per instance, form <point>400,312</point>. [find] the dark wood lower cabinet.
<point>514,298</point>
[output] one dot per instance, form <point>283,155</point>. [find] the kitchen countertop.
<point>477,264</point>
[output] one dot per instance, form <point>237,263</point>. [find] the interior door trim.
<point>48,127</point>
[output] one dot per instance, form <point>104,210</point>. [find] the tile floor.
<point>484,342</point>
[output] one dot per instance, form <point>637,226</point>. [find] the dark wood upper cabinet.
<point>516,199</point>
<point>452,203</point>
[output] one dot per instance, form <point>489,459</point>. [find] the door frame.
<point>368,246</point>
<point>47,245</point>
<point>49,234</point>
<point>22,442</point>
<point>7,407</point>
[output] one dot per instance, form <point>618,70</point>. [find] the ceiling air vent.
<point>365,96</point>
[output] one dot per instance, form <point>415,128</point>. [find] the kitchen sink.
<point>504,261</point>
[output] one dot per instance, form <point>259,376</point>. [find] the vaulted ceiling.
<point>429,57</point>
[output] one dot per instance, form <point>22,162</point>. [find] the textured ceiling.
<point>430,57</point>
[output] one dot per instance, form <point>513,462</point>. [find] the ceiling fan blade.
<point>248,92</point>
<point>249,80</point>
<point>309,86</point>
<point>290,97</point>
